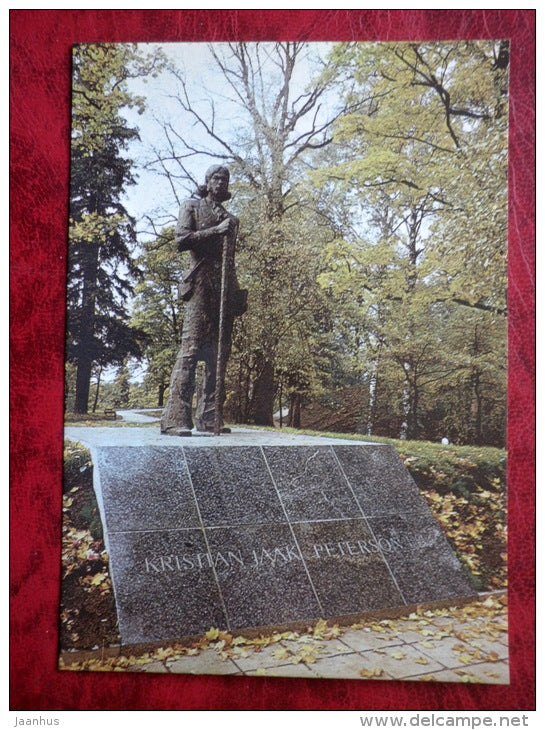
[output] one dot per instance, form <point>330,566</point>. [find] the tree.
<point>422,165</point>
<point>158,310</point>
<point>101,234</point>
<point>277,129</point>
<point>285,337</point>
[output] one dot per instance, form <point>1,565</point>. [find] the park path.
<point>456,644</point>
<point>139,416</point>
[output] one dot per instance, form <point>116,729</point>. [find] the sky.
<point>153,194</point>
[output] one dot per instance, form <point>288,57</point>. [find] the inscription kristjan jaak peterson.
<point>261,556</point>
<point>246,536</point>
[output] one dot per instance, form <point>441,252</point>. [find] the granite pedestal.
<point>204,532</point>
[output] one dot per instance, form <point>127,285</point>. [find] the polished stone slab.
<point>263,577</point>
<point>311,483</point>
<point>164,584</point>
<point>379,479</point>
<point>347,567</point>
<point>264,534</point>
<point>144,488</point>
<point>422,561</point>
<point>233,486</point>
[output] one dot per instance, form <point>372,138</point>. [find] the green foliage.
<point>420,274</point>
<point>372,239</point>
<point>288,322</point>
<point>158,312</point>
<point>101,234</point>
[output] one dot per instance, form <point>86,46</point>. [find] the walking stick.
<point>228,242</point>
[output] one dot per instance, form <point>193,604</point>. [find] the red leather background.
<point>40,120</point>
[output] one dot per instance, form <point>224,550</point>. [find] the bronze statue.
<point>208,231</point>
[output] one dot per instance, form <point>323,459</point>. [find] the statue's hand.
<point>227,226</point>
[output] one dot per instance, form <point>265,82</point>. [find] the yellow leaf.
<point>239,640</point>
<point>466,659</point>
<point>427,644</point>
<point>421,660</point>
<point>427,678</point>
<point>368,673</point>
<point>471,678</point>
<point>398,655</point>
<point>97,579</point>
<point>261,672</point>
<point>290,635</point>
<point>281,654</point>
<point>212,634</point>
<point>320,627</point>
<point>161,653</point>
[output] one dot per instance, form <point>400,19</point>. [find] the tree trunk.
<point>412,430</point>
<point>86,330</point>
<point>405,407</point>
<point>373,387</point>
<point>280,401</point>
<point>83,383</point>
<point>476,409</point>
<point>161,394</point>
<point>295,410</point>
<point>263,396</point>
<point>95,402</point>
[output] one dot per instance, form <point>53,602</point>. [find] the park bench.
<point>110,414</point>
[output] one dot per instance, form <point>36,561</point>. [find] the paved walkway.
<point>138,416</point>
<point>465,644</point>
<point>118,435</point>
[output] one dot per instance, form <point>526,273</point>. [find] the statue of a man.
<point>204,228</point>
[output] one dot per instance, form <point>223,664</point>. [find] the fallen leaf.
<point>164,653</point>
<point>369,673</point>
<point>281,654</point>
<point>398,655</point>
<point>466,659</point>
<point>421,660</point>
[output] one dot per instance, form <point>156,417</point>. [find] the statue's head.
<point>216,183</point>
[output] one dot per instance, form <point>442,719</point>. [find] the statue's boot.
<point>177,431</point>
<point>177,420</point>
